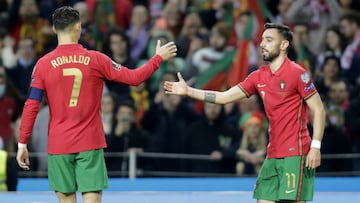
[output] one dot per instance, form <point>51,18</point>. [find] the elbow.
<point>222,100</point>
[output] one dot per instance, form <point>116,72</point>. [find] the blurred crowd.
<point>145,119</point>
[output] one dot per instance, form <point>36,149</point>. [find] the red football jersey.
<point>284,93</point>
<point>73,79</point>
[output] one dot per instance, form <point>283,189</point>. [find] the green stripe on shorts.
<point>83,172</point>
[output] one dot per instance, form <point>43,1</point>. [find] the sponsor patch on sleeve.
<point>309,87</point>
<point>115,65</point>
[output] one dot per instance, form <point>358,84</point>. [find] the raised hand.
<point>166,51</point>
<point>179,88</point>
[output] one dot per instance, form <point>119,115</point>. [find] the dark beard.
<point>271,56</point>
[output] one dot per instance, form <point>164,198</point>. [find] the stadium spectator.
<point>8,113</point>
<point>211,135</point>
<point>331,72</point>
<point>124,137</point>
<point>109,102</point>
<point>350,60</point>
<point>300,50</point>
<point>282,8</point>
<point>166,121</point>
<point>335,142</point>
<point>252,150</point>
<point>86,38</point>
<point>218,47</point>
<point>7,52</point>
<point>106,15</point>
<point>335,44</point>
<point>117,47</point>
<point>191,27</point>
<point>318,15</point>
<point>20,74</point>
<point>142,99</point>
<point>25,22</point>
<point>138,32</point>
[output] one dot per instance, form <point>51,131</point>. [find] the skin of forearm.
<point>203,95</point>
<point>318,124</point>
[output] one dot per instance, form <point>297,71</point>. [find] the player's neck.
<point>67,39</point>
<point>276,63</point>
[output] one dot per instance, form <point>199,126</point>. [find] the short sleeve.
<point>248,85</point>
<point>305,85</point>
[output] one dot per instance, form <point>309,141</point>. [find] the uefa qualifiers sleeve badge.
<point>115,65</point>
<point>305,77</point>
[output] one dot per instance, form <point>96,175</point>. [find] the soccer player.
<point>287,92</point>
<point>72,78</point>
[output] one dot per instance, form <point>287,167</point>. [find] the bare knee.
<point>91,197</point>
<point>66,197</point>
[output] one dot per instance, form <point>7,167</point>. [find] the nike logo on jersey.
<point>289,191</point>
<point>261,85</point>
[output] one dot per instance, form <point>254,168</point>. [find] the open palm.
<point>179,88</point>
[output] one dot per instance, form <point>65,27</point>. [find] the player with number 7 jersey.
<point>72,78</point>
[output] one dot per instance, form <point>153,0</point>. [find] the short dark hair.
<point>334,58</point>
<point>119,32</point>
<point>352,17</point>
<point>284,31</point>
<point>65,17</point>
<point>127,102</point>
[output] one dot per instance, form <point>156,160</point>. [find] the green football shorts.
<point>285,179</point>
<point>83,172</point>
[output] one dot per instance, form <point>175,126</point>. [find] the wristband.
<point>315,144</point>
<point>21,145</point>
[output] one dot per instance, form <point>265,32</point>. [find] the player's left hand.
<point>22,158</point>
<point>313,159</point>
<point>167,51</point>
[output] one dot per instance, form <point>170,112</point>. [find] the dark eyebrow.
<point>267,37</point>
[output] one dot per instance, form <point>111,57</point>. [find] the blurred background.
<point>152,135</point>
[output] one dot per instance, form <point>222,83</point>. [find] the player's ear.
<point>77,26</point>
<point>284,45</point>
<point>53,28</point>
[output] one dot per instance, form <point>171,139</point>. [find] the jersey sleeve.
<point>305,85</point>
<point>32,104</point>
<point>36,78</point>
<point>119,73</point>
<point>248,86</point>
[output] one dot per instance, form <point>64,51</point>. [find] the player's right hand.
<point>178,88</point>
<point>166,51</point>
<point>22,158</point>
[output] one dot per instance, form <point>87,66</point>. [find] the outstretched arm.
<point>121,74</point>
<point>181,88</point>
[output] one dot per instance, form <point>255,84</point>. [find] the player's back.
<point>73,86</point>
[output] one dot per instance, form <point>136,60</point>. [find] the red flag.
<point>240,65</point>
